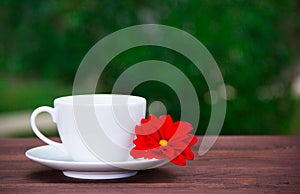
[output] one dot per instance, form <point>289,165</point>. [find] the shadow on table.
<point>145,176</point>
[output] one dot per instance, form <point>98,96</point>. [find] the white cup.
<point>94,127</point>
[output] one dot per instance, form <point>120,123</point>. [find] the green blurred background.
<point>255,43</point>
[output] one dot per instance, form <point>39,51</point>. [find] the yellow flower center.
<point>163,142</point>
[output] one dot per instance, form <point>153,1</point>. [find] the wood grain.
<point>236,164</point>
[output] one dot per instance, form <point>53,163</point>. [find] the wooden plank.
<point>236,164</point>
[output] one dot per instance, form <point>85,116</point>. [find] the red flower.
<point>161,137</point>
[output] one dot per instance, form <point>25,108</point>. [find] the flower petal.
<point>155,153</point>
<point>183,127</point>
<point>148,126</point>
<point>179,129</point>
<point>178,146</point>
<point>165,130</point>
<point>169,152</point>
<point>137,153</point>
<point>193,141</point>
<point>188,154</point>
<point>145,129</point>
<point>179,160</point>
<point>188,139</point>
<point>180,138</point>
<point>145,145</point>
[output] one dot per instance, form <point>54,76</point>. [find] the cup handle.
<point>34,114</point>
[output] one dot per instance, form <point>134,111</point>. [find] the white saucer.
<point>54,158</point>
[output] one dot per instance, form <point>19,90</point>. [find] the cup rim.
<point>68,100</point>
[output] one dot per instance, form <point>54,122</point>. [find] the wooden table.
<point>252,164</point>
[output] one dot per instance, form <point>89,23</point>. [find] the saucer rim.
<point>92,170</point>
<point>133,160</point>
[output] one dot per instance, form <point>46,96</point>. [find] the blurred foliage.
<point>255,43</point>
